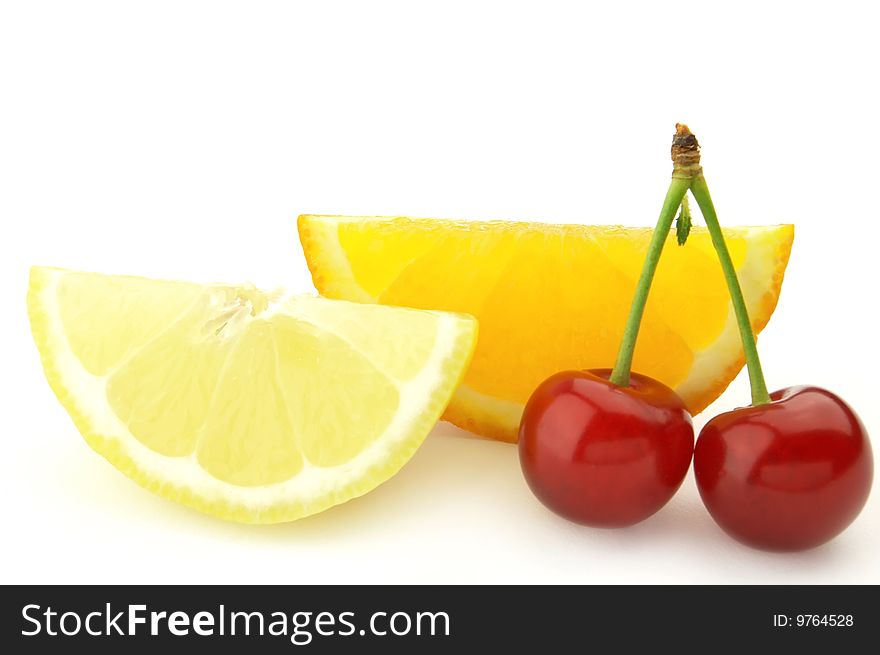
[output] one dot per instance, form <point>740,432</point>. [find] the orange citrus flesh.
<point>554,297</point>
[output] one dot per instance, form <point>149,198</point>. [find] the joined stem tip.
<point>685,153</point>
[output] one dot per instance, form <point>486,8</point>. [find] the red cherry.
<point>601,454</point>
<point>787,475</point>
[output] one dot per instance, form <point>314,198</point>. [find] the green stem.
<point>677,190</point>
<point>756,376</point>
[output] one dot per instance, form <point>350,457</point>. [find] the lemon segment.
<point>86,303</point>
<point>250,406</point>
<point>554,297</point>
<point>246,436</point>
<point>335,426</point>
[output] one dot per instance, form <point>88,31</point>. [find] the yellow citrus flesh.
<point>554,297</point>
<point>251,406</point>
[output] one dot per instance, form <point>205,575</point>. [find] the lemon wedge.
<point>251,406</point>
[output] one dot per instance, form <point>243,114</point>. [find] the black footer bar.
<point>281,619</point>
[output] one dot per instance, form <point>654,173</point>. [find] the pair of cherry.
<point>609,448</point>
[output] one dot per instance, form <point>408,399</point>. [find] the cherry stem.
<point>700,191</point>
<point>677,190</point>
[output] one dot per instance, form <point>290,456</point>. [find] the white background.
<point>181,139</point>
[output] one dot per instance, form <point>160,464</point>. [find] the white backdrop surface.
<point>181,139</point>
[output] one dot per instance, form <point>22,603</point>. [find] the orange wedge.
<point>554,297</point>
